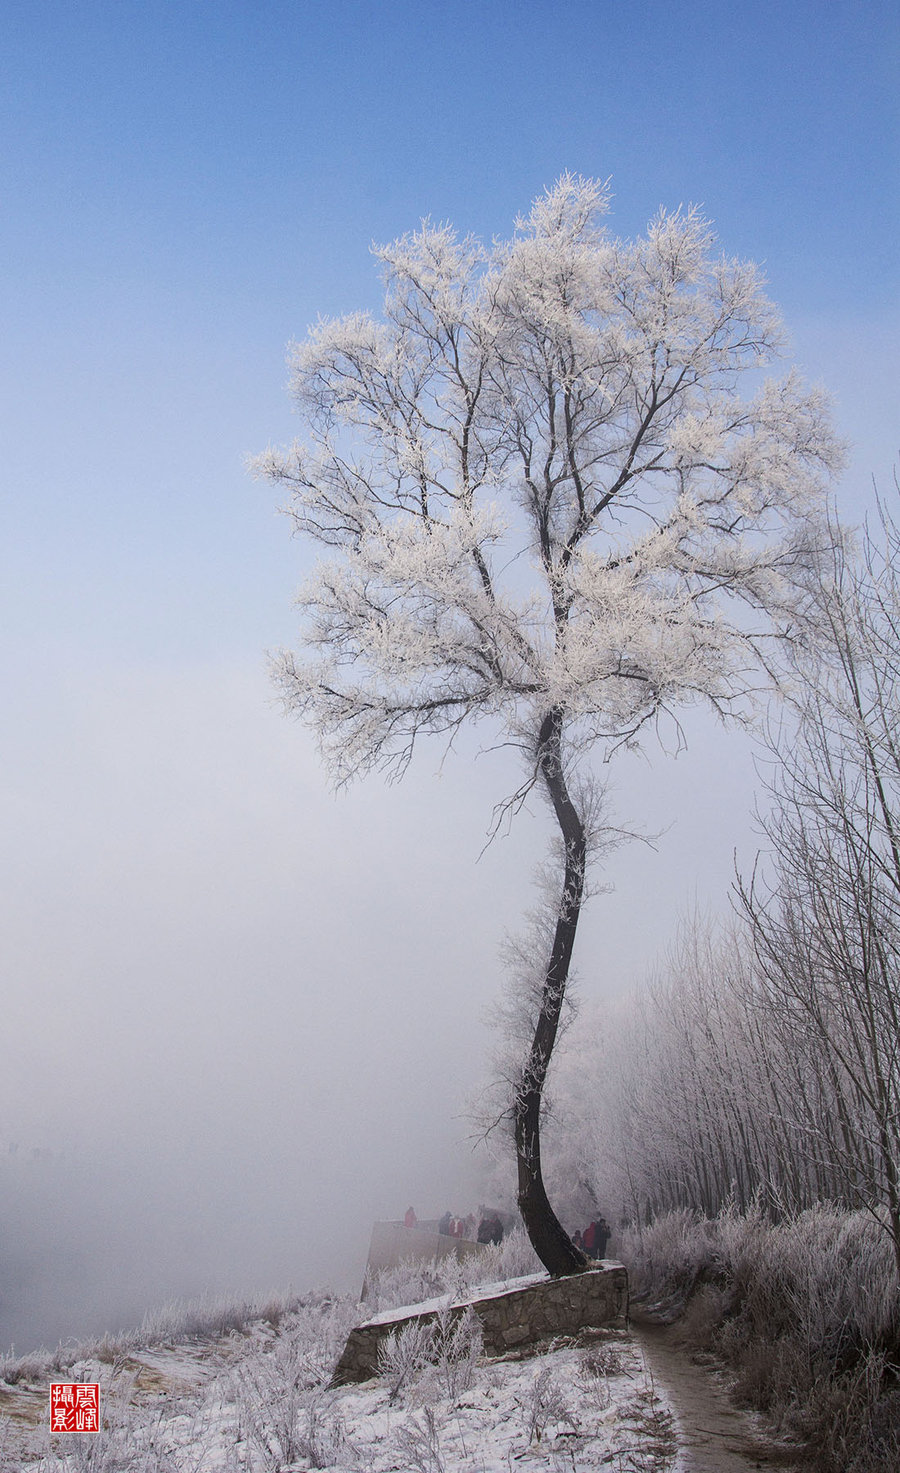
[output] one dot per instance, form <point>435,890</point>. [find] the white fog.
<point>250,1014</point>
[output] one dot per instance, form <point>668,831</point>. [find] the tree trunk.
<point>549,1238</point>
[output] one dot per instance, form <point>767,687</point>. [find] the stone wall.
<point>513,1314</point>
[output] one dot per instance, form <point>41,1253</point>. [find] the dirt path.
<point>714,1435</point>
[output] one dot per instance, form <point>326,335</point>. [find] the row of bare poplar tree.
<point>765,1060</point>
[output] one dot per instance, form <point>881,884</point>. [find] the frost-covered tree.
<point>545,505</point>
<point>825,918</point>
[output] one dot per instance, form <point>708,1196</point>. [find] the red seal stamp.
<point>75,1406</point>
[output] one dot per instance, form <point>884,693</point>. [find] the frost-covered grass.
<point>258,1399</point>
<point>804,1311</point>
<point>205,1318</point>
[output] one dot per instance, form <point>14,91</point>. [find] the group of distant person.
<point>457,1227</point>
<point>485,1228</point>
<point>592,1240</point>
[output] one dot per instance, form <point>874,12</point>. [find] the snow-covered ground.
<point>257,1400</point>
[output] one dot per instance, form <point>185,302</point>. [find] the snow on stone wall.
<point>516,1313</point>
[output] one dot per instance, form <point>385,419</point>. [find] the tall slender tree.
<point>545,504</point>
<point>826,922</point>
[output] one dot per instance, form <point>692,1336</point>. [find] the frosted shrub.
<point>602,1361</point>
<point>436,1357</point>
<point>14,1369</point>
<point>322,1439</point>
<point>318,1329</point>
<point>546,1406</point>
<point>826,1277</point>
<point>594,1371</point>
<point>268,1413</point>
<point>864,1435</point>
<point>10,1461</point>
<point>208,1317</point>
<point>456,1344</point>
<point>513,1258</point>
<point>5,1443</point>
<point>128,1442</point>
<point>410,1282</point>
<point>280,1399</point>
<point>420,1443</point>
<point>666,1258</point>
<point>403,1356</point>
<point>838,1276</point>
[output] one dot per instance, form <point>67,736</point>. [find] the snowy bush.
<point>279,1387</point>
<point>546,1406</point>
<point>14,1369</point>
<point>403,1355</point>
<point>419,1441</point>
<point>268,1388</point>
<point>457,1342</point>
<point>437,1357</point>
<point>805,1310</point>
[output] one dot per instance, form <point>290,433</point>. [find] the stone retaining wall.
<point>516,1313</point>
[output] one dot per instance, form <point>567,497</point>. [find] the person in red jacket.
<point>595,1238</point>
<point>410,1219</point>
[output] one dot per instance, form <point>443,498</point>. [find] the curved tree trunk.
<point>549,1238</point>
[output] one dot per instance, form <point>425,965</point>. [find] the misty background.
<point>242,1015</point>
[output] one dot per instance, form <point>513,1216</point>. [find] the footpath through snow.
<point>713,1435</point>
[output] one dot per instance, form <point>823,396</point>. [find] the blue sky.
<point>186,186</point>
